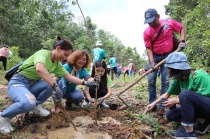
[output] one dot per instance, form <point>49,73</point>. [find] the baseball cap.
<point>5,45</point>
<point>177,60</point>
<point>150,15</point>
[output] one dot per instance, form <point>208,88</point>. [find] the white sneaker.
<point>84,103</point>
<point>105,105</point>
<point>5,126</point>
<point>39,110</point>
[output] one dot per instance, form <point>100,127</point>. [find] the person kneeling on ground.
<point>33,85</point>
<point>99,72</point>
<point>76,64</point>
<point>193,90</point>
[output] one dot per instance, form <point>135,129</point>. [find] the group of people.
<point>34,84</point>
<point>130,69</point>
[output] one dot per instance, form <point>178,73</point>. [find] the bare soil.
<point>129,128</point>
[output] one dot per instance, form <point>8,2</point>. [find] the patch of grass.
<point>2,80</point>
<point>152,122</point>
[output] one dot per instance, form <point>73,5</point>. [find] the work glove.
<point>100,100</point>
<point>181,45</point>
<point>91,84</point>
<point>57,93</point>
<point>91,100</point>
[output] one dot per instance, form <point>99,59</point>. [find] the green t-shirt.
<point>198,83</point>
<point>41,56</point>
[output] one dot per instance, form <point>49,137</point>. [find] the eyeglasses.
<point>82,60</point>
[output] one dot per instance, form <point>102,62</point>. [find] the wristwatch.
<point>183,41</point>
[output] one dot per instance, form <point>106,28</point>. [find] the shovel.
<point>142,76</point>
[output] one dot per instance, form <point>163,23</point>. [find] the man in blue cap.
<point>158,40</point>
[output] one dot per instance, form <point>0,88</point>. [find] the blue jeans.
<point>174,114</point>
<point>152,78</point>
<point>130,73</point>
<point>25,94</point>
<point>74,96</point>
<point>193,105</point>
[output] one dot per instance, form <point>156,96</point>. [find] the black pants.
<point>113,72</point>
<point>100,93</point>
<point>126,73</point>
<point>4,60</point>
<point>108,71</point>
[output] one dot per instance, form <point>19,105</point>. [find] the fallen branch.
<point>62,110</point>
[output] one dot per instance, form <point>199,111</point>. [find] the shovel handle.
<point>146,73</point>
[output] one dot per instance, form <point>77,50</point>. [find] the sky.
<point>122,18</point>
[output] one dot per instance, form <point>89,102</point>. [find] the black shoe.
<point>202,128</point>
<point>182,134</point>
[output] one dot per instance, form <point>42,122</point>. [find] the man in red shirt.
<point>158,47</point>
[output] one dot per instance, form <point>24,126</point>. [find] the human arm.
<point>109,93</point>
<point>182,43</point>
<point>104,54</point>
<point>150,55</point>
<point>74,80</point>
<point>78,81</point>
<point>87,94</point>
<point>183,33</point>
<point>171,102</point>
<point>150,106</point>
<point>44,74</point>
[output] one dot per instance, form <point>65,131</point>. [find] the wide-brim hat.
<point>177,60</point>
<point>150,15</point>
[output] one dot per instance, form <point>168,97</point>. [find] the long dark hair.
<point>64,44</point>
<point>103,82</point>
<point>179,74</point>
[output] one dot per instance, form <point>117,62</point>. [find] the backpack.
<point>133,67</point>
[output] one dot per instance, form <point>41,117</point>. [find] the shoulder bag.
<point>14,70</point>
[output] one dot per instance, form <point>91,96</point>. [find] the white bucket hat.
<point>98,43</point>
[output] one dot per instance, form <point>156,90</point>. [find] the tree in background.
<point>34,24</point>
<point>196,17</point>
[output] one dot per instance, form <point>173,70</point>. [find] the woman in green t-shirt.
<point>193,89</point>
<point>33,85</point>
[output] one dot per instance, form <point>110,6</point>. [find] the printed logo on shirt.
<point>42,58</point>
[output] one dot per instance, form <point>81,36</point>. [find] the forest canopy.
<point>32,25</point>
